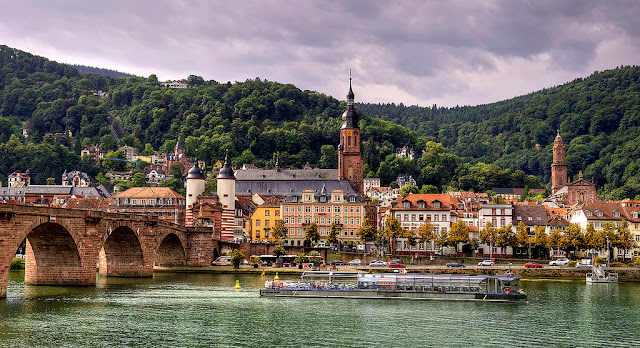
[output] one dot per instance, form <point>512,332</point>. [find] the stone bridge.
<point>66,246</point>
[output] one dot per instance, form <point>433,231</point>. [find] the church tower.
<point>350,164</point>
<point>559,166</point>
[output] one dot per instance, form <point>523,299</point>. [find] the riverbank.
<point>627,274</point>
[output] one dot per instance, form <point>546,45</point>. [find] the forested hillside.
<point>598,118</point>
<point>83,69</point>
<point>469,148</point>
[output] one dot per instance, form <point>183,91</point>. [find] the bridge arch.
<point>52,256</point>
<point>171,251</point>
<point>122,254</point>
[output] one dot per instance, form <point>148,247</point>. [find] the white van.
<point>222,261</point>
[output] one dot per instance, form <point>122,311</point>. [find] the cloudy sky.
<point>415,52</point>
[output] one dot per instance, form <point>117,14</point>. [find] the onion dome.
<point>195,173</point>
<point>226,172</point>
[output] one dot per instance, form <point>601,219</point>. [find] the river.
<point>198,310</point>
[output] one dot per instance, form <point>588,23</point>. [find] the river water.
<point>198,310</point>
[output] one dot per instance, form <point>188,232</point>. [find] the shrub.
<point>618,264</point>
<point>237,255</point>
<point>572,263</point>
<point>17,263</point>
<point>600,261</point>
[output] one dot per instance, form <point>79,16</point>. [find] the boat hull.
<point>399,295</point>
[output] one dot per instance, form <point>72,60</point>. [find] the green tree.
<point>311,235</point>
<point>332,236</point>
<point>51,181</point>
<point>139,180</point>
<point>237,256</point>
<point>459,233</point>
<point>425,233</point>
<point>409,189</point>
<point>148,150</point>
<point>279,231</point>
<point>392,231</point>
<point>176,169</point>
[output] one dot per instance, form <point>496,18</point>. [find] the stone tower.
<point>227,198</point>
<point>350,164</point>
<point>559,165</point>
<point>195,187</point>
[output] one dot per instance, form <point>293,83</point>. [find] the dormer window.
<point>588,213</point>
<point>599,213</point>
<point>616,213</point>
<point>406,204</point>
<point>352,199</point>
<point>635,215</point>
<point>421,204</point>
<point>436,205</point>
<point>307,198</point>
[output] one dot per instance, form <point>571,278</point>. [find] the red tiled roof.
<point>149,192</point>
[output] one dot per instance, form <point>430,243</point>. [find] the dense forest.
<point>598,118</point>
<point>469,148</point>
<point>83,69</point>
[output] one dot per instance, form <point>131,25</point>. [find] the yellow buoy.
<point>237,287</point>
<point>276,277</point>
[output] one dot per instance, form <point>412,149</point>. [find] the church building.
<point>562,191</point>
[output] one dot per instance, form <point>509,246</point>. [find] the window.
<point>358,222</point>
<point>502,222</point>
<point>299,209</point>
<point>421,205</point>
<point>444,217</point>
<point>322,220</point>
<point>351,209</point>
<point>322,209</point>
<point>336,209</point>
<point>352,199</point>
<point>134,202</point>
<point>336,220</point>
<point>406,217</point>
<point>421,217</point>
<point>357,210</point>
<point>316,209</point>
<point>266,212</point>
<point>316,220</point>
<point>413,217</point>
<point>277,212</point>
<point>299,220</point>
<point>328,209</point>
<point>336,198</point>
<point>258,234</point>
<point>436,205</point>
<point>351,221</point>
<point>307,220</point>
<point>307,209</point>
<point>286,208</point>
<point>435,217</point>
<point>406,204</point>
<point>307,198</point>
<point>299,231</point>
<point>257,222</point>
<point>266,223</point>
<point>286,220</point>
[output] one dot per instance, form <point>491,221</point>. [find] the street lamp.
<point>607,251</point>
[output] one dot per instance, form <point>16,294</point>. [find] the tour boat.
<point>598,275</point>
<point>409,286</point>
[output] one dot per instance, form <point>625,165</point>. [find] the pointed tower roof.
<point>350,116</point>
<point>195,173</point>
<point>226,172</point>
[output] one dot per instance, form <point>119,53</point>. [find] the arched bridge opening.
<point>52,256</point>
<point>171,252</point>
<point>122,255</point>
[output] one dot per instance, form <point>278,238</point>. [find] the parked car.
<point>559,262</point>
<point>377,263</point>
<point>485,263</point>
<point>355,262</point>
<point>454,264</point>
<point>222,261</point>
<point>336,263</point>
<point>532,265</point>
<point>396,264</point>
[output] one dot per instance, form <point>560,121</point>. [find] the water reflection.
<point>184,309</point>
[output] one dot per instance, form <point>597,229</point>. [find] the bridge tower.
<point>227,198</point>
<point>195,187</point>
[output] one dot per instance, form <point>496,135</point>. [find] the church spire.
<point>350,116</point>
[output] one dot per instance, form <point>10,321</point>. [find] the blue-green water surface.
<point>198,310</point>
